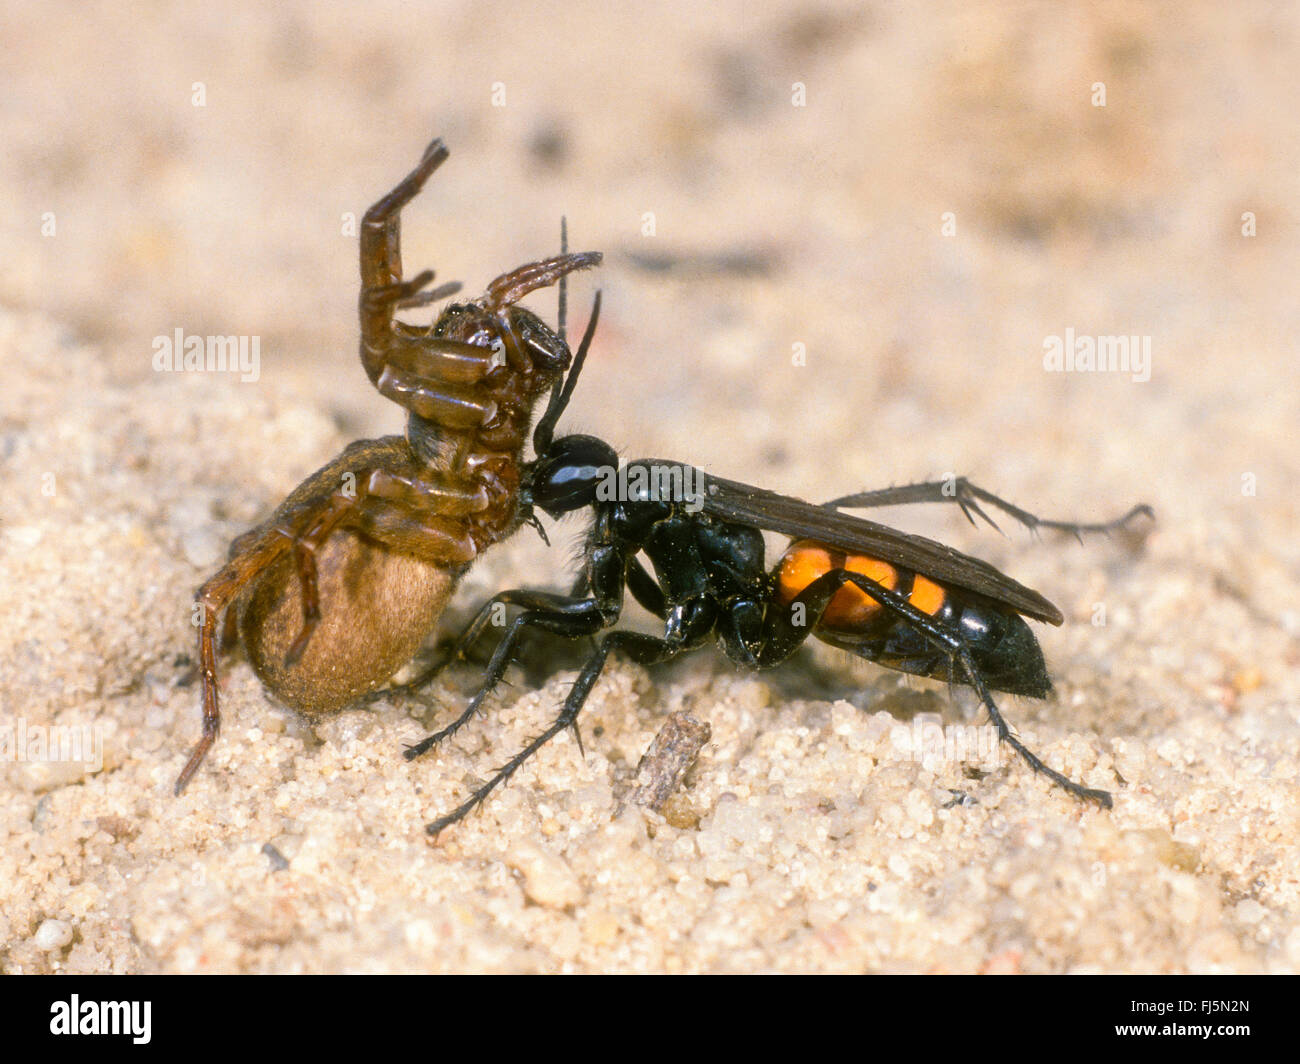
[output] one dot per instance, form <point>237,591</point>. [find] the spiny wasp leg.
<point>955,646</point>
<point>643,649</point>
<point>552,613</point>
<point>961,491</point>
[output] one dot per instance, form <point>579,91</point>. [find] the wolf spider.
<point>345,580</point>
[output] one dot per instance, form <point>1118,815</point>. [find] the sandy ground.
<point>910,204</point>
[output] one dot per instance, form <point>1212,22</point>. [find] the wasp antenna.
<point>562,317</point>
<point>545,431</point>
<point>546,427</point>
<point>579,358</point>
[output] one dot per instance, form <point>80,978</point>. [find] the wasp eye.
<point>565,478</point>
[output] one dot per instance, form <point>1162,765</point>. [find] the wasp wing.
<point>748,505</point>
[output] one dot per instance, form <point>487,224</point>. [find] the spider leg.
<point>381,501</point>
<point>213,598</point>
<point>511,287</point>
<point>371,487</point>
<point>381,228</point>
<point>460,648</point>
<point>441,378</point>
<point>407,364</point>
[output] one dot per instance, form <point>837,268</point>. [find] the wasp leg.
<point>413,687</point>
<point>785,630</point>
<point>966,495</point>
<point>551,613</point>
<point>579,598</point>
<point>646,590</point>
<point>643,649</point>
<point>643,587</point>
<point>952,644</point>
<point>459,650</point>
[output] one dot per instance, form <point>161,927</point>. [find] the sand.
<point>822,328</point>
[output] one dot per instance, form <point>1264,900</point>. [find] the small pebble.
<point>53,934</point>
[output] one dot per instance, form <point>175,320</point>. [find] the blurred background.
<point>798,162</point>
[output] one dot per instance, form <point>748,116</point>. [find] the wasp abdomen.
<point>1000,641</point>
<point>853,610</point>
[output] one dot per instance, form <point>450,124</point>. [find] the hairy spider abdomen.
<point>377,608</point>
<point>375,601</point>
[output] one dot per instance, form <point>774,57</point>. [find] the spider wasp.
<point>899,600</point>
<point>341,585</point>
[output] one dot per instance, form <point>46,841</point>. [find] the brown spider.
<point>341,585</point>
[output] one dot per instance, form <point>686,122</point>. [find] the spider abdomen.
<point>377,608</point>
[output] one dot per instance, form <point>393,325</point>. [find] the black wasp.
<point>899,600</point>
